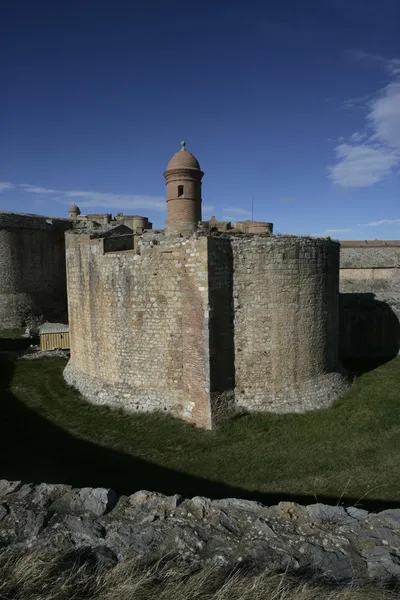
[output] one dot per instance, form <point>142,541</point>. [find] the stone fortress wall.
<point>370,298</point>
<point>32,269</point>
<point>181,322</point>
<point>285,290</point>
<point>137,325</point>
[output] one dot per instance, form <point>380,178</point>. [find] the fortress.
<point>203,314</point>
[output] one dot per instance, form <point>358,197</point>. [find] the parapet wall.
<point>32,269</point>
<point>187,323</point>
<point>369,299</point>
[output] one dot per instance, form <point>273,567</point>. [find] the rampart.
<point>187,323</point>
<point>369,299</point>
<point>32,269</point>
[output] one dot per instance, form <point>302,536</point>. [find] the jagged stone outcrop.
<point>342,544</point>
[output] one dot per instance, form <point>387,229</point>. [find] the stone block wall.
<point>138,326</point>
<point>32,269</point>
<point>188,324</point>
<point>370,299</point>
<point>285,293</point>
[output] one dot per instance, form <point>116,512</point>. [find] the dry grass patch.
<point>38,577</point>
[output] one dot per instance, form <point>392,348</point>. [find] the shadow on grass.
<point>17,344</point>
<point>32,449</point>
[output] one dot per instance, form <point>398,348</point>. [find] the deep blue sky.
<point>296,104</point>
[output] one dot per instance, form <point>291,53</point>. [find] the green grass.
<point>48,433</point>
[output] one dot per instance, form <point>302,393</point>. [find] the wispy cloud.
<point>92,199</point>
<point>5,185</point>
<point>330,232</point>
<point>383,222</point>
<point>237,211</point>
<point>373,153</point>
<point>366,59</point>
<point>37,190</point>
<point>110,200</point>
<point>287,199</point>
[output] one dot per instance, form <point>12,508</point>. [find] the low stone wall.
<point>333,543</point>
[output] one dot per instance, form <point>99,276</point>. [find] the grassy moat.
<point>349,453</point>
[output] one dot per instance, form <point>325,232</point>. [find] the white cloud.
<point>385,116</point>
<point>238,211</point>
<point>383,222</point>
<point>106,200</point>
<point>358,136</point>
<point>390,65</point>
<point>330,232</point>
<point>370,155</point>
<point>361,165</point>
<point>5,185</point>
<point>287,199</point>
<point>37,190</point>
<point>207,208</point>
<point>110,200</point>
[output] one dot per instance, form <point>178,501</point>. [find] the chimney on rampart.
<point>183,178</point>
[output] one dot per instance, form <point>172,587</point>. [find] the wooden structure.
<point>54,336</point>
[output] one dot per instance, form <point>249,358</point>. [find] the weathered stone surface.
<point>191,325</point>
<point>32,264</point>
<point>93,525</point>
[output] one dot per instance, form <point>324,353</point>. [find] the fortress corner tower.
<point>183,178</point>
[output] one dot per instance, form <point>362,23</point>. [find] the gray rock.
<point>357,513</point>
<point>329,516</point>
<point>97,501</point>
<point>334,566</point>
<point>93,526</point>
<point>391,515</point>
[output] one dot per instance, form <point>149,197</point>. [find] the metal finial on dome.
<point>183,145</point>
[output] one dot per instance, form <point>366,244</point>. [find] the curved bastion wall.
<point>286,316</point>
<point>32,269</point>
<point>188,321</point>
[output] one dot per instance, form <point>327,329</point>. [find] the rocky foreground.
<point>342,545</point>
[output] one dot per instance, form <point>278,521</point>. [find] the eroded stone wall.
<point>285,292</point>
<point>138,325</point>
<point>32,269</point>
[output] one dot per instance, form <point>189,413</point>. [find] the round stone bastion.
<point>286,323</point>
